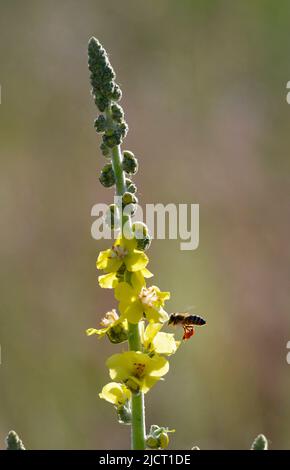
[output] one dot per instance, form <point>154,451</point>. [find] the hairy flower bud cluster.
<point>110,123</point>
<point>14,442</point>
<point>129,163</point>
<point>102,77</point>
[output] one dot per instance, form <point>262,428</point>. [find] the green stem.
<point>118,170</point>
<point>137,403</point>
<point>117,161</point>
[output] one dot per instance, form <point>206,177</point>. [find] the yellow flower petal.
<point>164,343</point>
<point>136,260</point>
<point>102,260</point>
<point>158,342</point>
<point>108,281</point>
<point>137,281</point>
<point>158,366</point>
<point>156,315</point>
<point>151,331</point>
<point>146,273</point>
<point>113,265</point>
<point>108,261</point>
<point>124,292</point>
<point>132,312</point>
<point>135,368</point>
<point>115,393</point>
<point>148,383</point>
<point>162,296</point>
<point>129,244</point>
<point>94,331</point>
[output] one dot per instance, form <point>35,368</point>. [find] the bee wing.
<point>191,307</point>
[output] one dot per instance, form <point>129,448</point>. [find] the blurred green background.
<point>204,90</point>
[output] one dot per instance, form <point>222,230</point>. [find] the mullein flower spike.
<point>14,442</point>
<point>141,313</point>
<point>260,443</point>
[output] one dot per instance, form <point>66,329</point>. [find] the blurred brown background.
<point>204,90</point>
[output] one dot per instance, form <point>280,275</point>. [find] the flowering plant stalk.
<point>141,313</point>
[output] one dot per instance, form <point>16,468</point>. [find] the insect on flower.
<point>187,321</point>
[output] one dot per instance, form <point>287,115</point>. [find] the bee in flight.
<point>187,321</point>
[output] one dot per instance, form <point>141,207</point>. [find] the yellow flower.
<point>158,342</point>
<point>110,280</point>
<point>135,302</point>
<point>115,393</point>
<point>113,326</point>
<point>137,370</point>
<point>122,252</point>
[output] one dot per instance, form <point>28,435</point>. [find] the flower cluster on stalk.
<point>124,264</point>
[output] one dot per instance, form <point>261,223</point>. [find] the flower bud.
<point>109,140</point>
<point>124,414</point>
<point>130,209</point>
<point>118,333</point>
<point>117,93</point>
<point>102,102</point>
<point>107,176</point>
<point>142,236</point>
<point>129,163</point>
<point>117,113</point>
<point>130,186</point>
<point>154,428</point>
<point>100,123</point>
<point>112,137</point>
<point>140,229</point>
<point>107,88</point>
<point>102,76</point>
<point>163,440</point>
<point>123,129</point>
<point>110,132</point>
<point>129,202</point>
<point>105,150</point>
<point>129,198</point>
<point>144,243</point>
<point>152,442</point>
